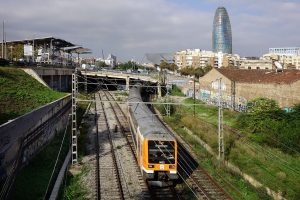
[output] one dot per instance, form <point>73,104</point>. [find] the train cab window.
<point>161,152</point>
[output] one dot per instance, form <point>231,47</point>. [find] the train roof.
<point>150,127</point>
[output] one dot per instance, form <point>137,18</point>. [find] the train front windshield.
<point>161,152</point>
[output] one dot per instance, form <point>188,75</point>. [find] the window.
<point>161,152</point>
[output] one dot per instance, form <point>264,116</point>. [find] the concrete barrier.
<point>15,135</point>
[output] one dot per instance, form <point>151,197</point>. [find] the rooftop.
<point>261,76</point>
<point>39,41</point>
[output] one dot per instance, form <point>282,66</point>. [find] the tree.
<point>189,70</point>
<point>262,105</point>
<point>207,68</point>
<point>168,66</point>
<point>101,64</point>
<point>130,65</point>
<point>198,72</point>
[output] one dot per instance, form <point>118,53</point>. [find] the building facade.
<point>221,35</point>
<point>240,86</point>
<point>292,51</point>
<point>200,58</point>
<point>289,57</point>
<point>264,64</point>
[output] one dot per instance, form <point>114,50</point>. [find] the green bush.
<point>268,124</point>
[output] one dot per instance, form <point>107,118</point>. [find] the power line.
<point>57,158</point>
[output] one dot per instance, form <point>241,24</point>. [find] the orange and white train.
<point>156,148</point>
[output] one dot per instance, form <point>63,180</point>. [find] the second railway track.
<point>130,182</point>
<point>109,186</point>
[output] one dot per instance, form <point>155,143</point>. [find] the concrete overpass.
<point>60,78</point>
<point>120,75</point>
<point>123,75</point>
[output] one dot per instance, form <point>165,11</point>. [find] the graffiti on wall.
<point>212,97</point>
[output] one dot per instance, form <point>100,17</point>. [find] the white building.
<point>264,64</point>
<point>287,51</point>
<point>288,61</point>
<point>200,58</point>
<point>111,60</point>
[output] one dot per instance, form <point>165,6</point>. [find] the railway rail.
<point>202,184</point>
<point>125,131</point>
<point>110,186</point>
<point>149,192</point>
<point>114,128</point>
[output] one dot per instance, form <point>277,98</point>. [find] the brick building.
<point>239,86</point>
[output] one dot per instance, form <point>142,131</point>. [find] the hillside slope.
<point>20,93</point>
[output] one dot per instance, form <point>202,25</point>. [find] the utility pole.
<point>5,48</point>
<point>11,53</point>
<point>220,124</point>
<point>2,52</point>
<point>85,82</point>
<point>33,51</point>
<point>74,120</point>
<point>194,97</point>
<point>168,106</point>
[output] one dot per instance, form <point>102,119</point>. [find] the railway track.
<point>108,179</point>
<point>124,130</point>
<point>203,186</point>
<point>200,182</point>
<point>131,181</point>
<point>150,192</point>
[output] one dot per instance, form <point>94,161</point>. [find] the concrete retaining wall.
<point>13,133</point>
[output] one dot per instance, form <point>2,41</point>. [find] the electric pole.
<point>74,119</point>
<point>11,53</point>
<point>194,97</point>
<point>2,52</point>
<point>220,124</point>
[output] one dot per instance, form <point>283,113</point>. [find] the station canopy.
<point>56,42</point>
<point>77,49</point>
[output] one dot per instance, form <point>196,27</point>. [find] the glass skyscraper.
<point>221,36</point>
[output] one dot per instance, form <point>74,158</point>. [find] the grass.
<point>176,91</point>
<point>32,181</point>
<point>75,190</point>
<point>20,93</point>
<point>233,184</point>
<point>121,93</point>
<point>270,166</point>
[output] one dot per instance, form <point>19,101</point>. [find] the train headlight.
<point>150,166</point>
<point>172,166</point>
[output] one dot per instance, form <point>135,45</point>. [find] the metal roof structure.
<point>156,58</point>
<point>57,42</point>
<point>77,49</point>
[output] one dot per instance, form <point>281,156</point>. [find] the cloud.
<point>131,28</point>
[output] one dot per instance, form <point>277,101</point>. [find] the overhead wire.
<point>57,158</point>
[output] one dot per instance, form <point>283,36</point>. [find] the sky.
<point>131,28</point>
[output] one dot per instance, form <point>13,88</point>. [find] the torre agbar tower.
<point>221,36</point>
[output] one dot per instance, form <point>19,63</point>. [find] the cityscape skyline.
<point>129,29</point>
